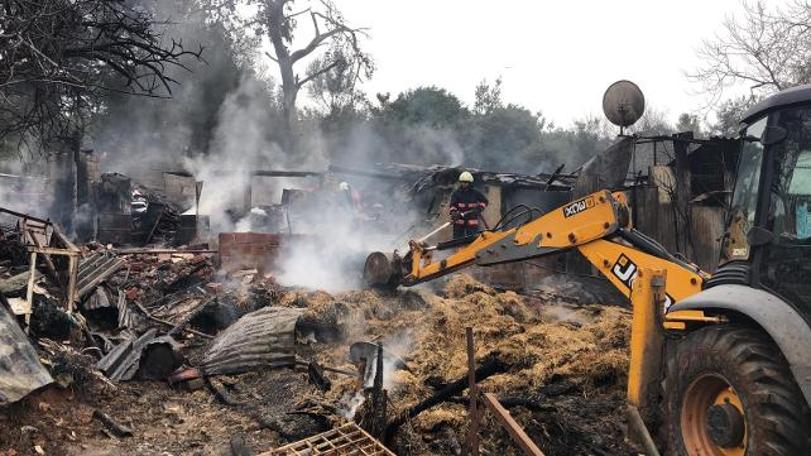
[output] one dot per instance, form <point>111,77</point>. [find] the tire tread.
<point>779,407</point>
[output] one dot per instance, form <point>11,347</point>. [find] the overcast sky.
<point>554,56</point>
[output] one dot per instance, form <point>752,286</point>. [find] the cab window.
<point>745,196</point>
<point>791,191</point>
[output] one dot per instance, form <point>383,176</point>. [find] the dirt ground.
<point>565,381</point>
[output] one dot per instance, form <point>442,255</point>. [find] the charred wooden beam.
<point>489,367</point>
<point>116,428</point>
<point>513,428</point>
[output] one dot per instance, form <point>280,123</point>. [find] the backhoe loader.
<point>720,364</point>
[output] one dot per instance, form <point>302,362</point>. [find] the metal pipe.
<point>427,236</point>
<point>636,422</point>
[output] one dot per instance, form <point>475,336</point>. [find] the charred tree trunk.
<point>276,23</point>
<point>328,27</point>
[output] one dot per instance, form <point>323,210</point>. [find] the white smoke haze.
<point>144,138</point>
<point>26,195</point>
<point>400,345</point>
<point>331,253</point>
<point>239,141</point>
<point>364,145</point>
<point>24,189</point>
<point>242,143</point>
<point>351,402</point>
<point>442,142</point>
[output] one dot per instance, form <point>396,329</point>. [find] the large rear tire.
<point>728,391</point>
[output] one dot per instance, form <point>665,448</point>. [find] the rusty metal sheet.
<point>261,339</point>
<point>20,370</point>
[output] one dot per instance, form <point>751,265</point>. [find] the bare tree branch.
<point>318,73</point>
<point>768,48</point>
<point>59,57</point>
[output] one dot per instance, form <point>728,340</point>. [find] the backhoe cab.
<point>744,387</point>
<point>720,364</point>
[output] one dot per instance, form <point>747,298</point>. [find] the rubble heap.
<point>164,353</point>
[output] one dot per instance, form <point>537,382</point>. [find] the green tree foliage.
<point>507,138</point>
<point>429,125</point>
<point>572,147</point>
<point>728,116</point>
<point>488,98</point>
<point>653,123</point>
<point>427,106</point>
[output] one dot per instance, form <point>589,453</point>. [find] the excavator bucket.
<point>382,270</point>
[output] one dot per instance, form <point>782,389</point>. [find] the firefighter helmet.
<point>466,177</point>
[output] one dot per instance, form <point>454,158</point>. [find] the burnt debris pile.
<point>154,350</point>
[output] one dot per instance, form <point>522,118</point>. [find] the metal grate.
<point>347,440</point>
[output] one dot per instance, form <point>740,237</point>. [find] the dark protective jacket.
<point>468,203</point>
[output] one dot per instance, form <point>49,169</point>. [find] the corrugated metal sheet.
<point>94,269</point>
<point>261,339</point>
<point>124,361</point>
<point>98,299</point>
<point>126,318</point>
<point>20,370</point>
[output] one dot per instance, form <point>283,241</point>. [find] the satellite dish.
<point>623,103</point>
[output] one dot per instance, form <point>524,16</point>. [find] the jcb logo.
<point>578,207</point>
<point>626,271</point>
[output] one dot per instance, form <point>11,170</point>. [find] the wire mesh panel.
<point>347,440</point>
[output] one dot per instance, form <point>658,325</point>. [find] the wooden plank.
<point>25,216</point>
<point>53,251</point>
<point>707,226</point>
<point>48,262</point>
<point>64,239</point>
<point>513,428</point>
<point>29,295</point>
<point>473,392</point>
<point>73,271</point>
<point>157,251</point>
<point>492,213</point>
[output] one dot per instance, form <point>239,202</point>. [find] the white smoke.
<point>330,255</point>
<point>398,345</point>
<point>22,192</point>
<point>242,143</point>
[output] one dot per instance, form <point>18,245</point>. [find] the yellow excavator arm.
<point>597,225</point>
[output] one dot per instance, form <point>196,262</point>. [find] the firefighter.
<point>351,196</point>
<point>467,204</point>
